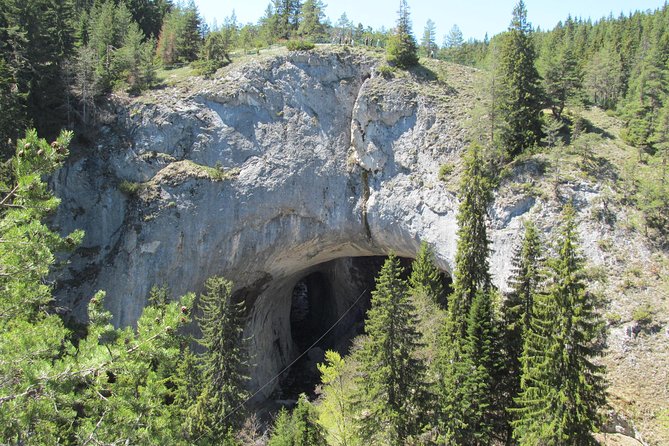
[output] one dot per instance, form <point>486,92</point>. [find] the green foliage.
<point>468,416</point>
<point>104,385</point>
<point>36,39</point>
<point>392,379</point>
<point>130,187</point>
<point>180,40</point>
<point>336,413</point>
<point>561,388</point>
<point>643,314</point>
<point>311,20</point>
<point>471,273</point>
<point>428,44</point>
<point>521,95</point>
<point>299,45</point>
<point>525,282</point>
<point>215,53</point>
<point>299,428</point>
<point>134,61</point>
<point>401,49</point>
<point>445,170</point>
<point>218,408</point>
<point>425,278</point>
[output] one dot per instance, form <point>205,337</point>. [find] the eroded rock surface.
<point>277,166</point>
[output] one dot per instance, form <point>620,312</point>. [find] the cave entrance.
<point>328,304</point>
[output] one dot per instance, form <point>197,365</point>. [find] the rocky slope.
<point>290,165</point>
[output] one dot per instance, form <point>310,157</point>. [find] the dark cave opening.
<point>328,307</point>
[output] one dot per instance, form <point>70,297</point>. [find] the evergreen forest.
<point>469,364</point>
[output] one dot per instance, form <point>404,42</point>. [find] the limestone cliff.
<point>281,164</point>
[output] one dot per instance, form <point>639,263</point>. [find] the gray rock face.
<point>263,175</point>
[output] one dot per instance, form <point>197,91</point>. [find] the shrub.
<point>130,187</point>
<point>386,71</point>
<point>643,314</point>
<point>445,170</point>
<point>300,45</point>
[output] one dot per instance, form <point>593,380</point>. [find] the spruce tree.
<point>561,388</point>
<point>311,20</point>
<point>306,429</point>
<point>224,365</point>
<point>392,378</point>
<point>521,100</point>
<point>563,78</point>
<point>299,428</point>
<point>402,50</point>
<point>478,368</point>
<point>467,363</point>
<point>425,278</point>
<point>428,42</point>
<point>525,282</point>
<point>471,273</point>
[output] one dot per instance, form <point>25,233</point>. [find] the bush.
<point>643,315</point>
<point>130,187</point>
<point>386,71</point>
<point>445,171</point>
<point>300,45</point>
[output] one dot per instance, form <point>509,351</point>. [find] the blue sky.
<point>474,17</point>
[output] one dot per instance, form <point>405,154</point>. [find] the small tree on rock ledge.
<point>402,48</point>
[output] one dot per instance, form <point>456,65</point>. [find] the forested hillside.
<point>474,363</point>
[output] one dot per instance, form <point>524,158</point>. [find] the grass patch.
<point>131,188</point>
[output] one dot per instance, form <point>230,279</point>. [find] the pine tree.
<point>283,431</point>
<point>336,413</point>
<point>428,43</point>
<point>604,78</point>
<point>525,283</point>
<point>467,363</point>
<point>190,39</point>
<point>425,278</point>
<point>13,115</point>
<point>392,378</point>
<point>298,428</point>
<point>402,49</point>
<point>561,388</point>
<point>563,79</point>
<point>218,408</point>
<point>453,45</point>
<point>471,273</point>
<point>475,376</point>
<point>521,100</point>
<point>134,60</point>
<point>306,429</point>
<point>311,20</point>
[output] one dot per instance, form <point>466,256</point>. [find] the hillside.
<point>286,166</point>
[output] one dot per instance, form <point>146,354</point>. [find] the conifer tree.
<point>306,428</point>
<point>467,364</point>
<point>425,278</point>
<point>402,49</point>
<point>471,273</point>
<point>311,20</point>
<point>521,100</point>
<point>561,388</point>
<point>525,283</point>
<point>190,39</point>
<point>470,415</point>
<point>392,378</point>
<point>217,411</point>
<point>336,413</point>
<point>562,79</point>
<point>298,428</point>
<point>428,42</point>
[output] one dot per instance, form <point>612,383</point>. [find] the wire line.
<point>299,357</point>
